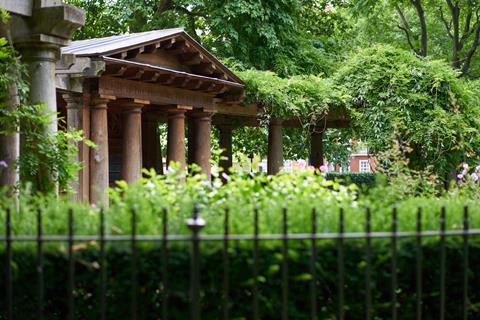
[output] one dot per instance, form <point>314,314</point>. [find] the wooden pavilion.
<point>118,89</point>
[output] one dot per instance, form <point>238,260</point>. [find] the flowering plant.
<point>464,174</point>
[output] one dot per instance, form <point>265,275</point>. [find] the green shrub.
<point>360,179</point>
<point>151,285</point>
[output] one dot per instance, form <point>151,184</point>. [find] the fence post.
<point>195,224</point>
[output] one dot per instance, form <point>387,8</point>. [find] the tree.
<point>399,98</point>
<point>447,29</point>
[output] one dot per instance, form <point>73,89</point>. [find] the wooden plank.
<point>20,7</point>
<point>156,94</point>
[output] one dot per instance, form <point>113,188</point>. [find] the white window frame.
<point>363,168</point>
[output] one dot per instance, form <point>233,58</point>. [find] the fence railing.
<point>196,224</point>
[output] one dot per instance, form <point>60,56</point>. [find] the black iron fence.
<point>195,239</point>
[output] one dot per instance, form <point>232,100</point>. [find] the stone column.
<point>275,147</point>
<point>316,149</point>
<point>226,146</point>
<point>176,137</point>
<point>201,141</point>
<point>99,169</point>
<point>151,148</point>
<point>40,59</point>
<point>10,143</point>
<point>78,117</point>
<point>132,144</point>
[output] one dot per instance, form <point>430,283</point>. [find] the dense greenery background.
<point>305,58</point>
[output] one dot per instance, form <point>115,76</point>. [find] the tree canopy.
<point>396,96</point>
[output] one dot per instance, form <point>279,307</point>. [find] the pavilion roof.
<point>173,41</point>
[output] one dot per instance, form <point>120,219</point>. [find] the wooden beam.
<point>193,58</point>
<point>205,68</point>
<point>180,47</point>
<point>251,110</point>
<point>134,74</point>
<point>115,70</point>
<point>156,94</point>
<point>134,52</point>
<point>167,44</point>
<point>151,48</point>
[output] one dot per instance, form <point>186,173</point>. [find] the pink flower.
<point>460,176</point>
<point>3,163</point>
<point>323,168</point>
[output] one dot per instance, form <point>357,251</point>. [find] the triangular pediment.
<point>170,48</point>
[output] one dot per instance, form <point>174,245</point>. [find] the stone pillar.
<point>226,146</point>
<point>151,148</point>
<point>78,117</point>
<point>132,144</point>
<point>201,141</point>
<point>40,59</point>
<point>99,169</point>
<point>316,149</point>
<point>275,147</point>
<point>10,143</point>
<point>176,137</point>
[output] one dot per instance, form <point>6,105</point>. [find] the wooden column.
<point>226,146</point>
<point>132,143</point>
<point>176,137</point>
<point>151,148</point>
<point>275,147</point>
<point>191,133</point>
<point>78,117</point>
<point>99,155</point>
<point>201,141</point>
<point>316,149</point>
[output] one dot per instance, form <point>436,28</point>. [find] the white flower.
<point>474,177</point>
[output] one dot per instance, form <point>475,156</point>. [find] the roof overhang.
<point>148,73</point>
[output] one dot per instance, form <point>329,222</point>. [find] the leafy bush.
<point>152,287</point>
<point>360,179</point>
<point>398,97</point>
<point>298,192</point>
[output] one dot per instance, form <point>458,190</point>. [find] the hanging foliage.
<point>308,98</point>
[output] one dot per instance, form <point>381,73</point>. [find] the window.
<point>364,166</point>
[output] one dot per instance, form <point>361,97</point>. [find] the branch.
<point>164,5</point>
<point>406,29</point>
<point>468,18</point>
<point>409,40</point>
<point>402,17</point>
<point>471,52</point>
<point>423,26</point>
<point>448,25</point>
